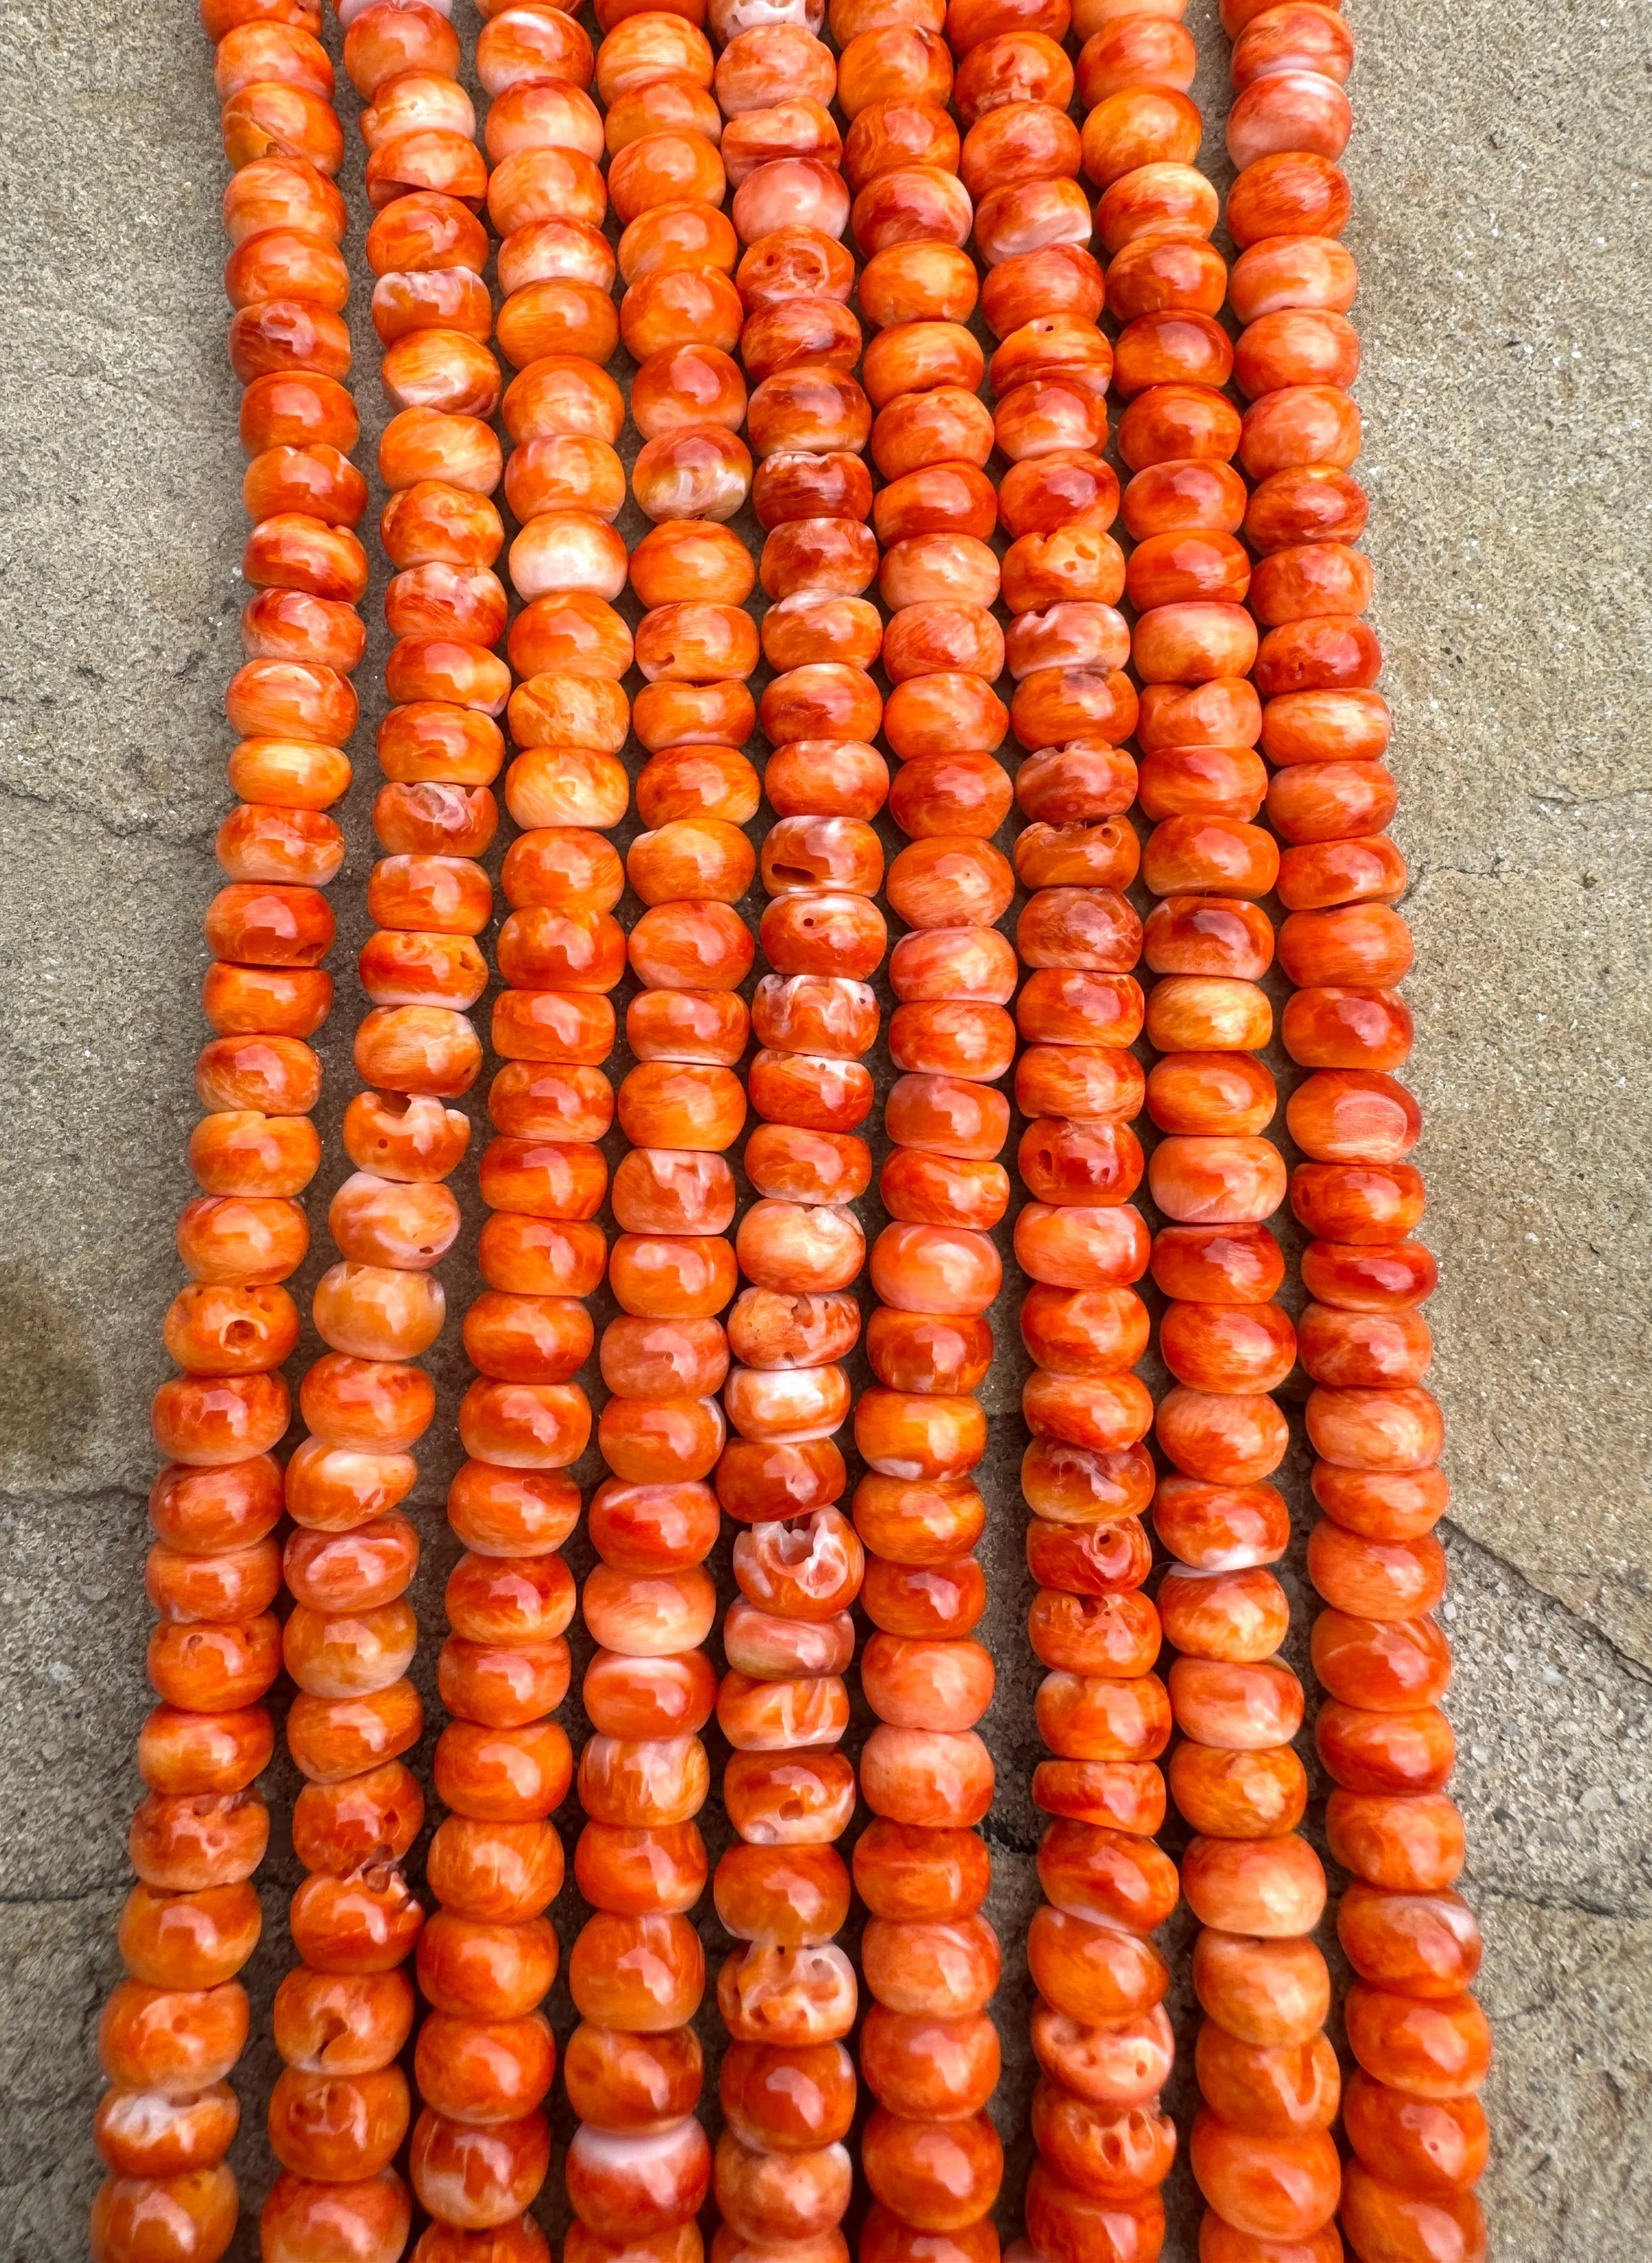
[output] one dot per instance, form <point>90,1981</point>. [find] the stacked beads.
<point>341,2107</point>
<point>486,2057</point>
<point>639,2165</point>
<point>1260,2152</point>
<point>787,1994</point>
<point>929,2051</point>
<point>172,2031</point>
<point>1415,2127</point>
<point>1101,2038</point>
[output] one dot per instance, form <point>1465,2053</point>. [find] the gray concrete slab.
<point>1501,171</point>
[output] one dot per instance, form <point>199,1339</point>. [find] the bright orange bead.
<point>1433,2147</point>
<point>1119,2064</point>
<point>941,2176</point>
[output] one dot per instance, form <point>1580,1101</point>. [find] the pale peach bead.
<point>378,1311</point>
<point>790,192</point>
<point>1073,1247</point>
<point>809,1402</point>
<point>1209,1014</point>
<point>568,550</point>
<point>1271,1888</point>
<point>378,1221</point>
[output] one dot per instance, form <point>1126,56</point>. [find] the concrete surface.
<point>1502,179</point>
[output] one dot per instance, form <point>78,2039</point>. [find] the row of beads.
<point>340,2110</point>
<point>929,2051</point>
<point>788,1993</point>
<point>1259,2150</point>
<point>487,1956</point>
<point>1099,2034</point>
<point>1415,2129</point>
<point>1089,1625</point>
<point>639,2168</point>
<point>171,2033</point>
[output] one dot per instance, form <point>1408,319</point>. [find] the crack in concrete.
<point>144,828</point>
<point>1636,1668</point>
<point>1559,1905</point>
<point>1631,793</point>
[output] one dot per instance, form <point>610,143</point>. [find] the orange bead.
<point>1388,1751</point>
<point>139,2134</point>
<point>476,2178</point>
<point>1433,2147</point>
<point>1107,2154</point>
<point>472,1970</point>
<point>1434,2050</point>
<point>1383,1580</point>
<point>1387,2218</point>
<point>1120,2064</point>
<point>1282,2188</point>
<point>790,1799</point>
<point>195,1939</point>
<point>1298,192</point>
<point>1071,2226</point>
<point>191,2215</point>
<point>926,2067</point>
<point>940,2176</point>
<point>621,2081</point>
<point>797,1996</point>
<point>175,2042</point>
<point>761,1481</point>
<point>787,2100</point>
<point>1265,1992</point>
<point>1425,1946</point>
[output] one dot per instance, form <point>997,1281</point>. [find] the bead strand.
<point>341,2107</point>
<point>639,2167</point>
<point>788,1995</point>
<point>1260,2147</point>
<point>1420,2042</point>
<point>486,2057</point>
<point>1101,2035</point>
<point>929,2051</point>
<point>173,2029</point>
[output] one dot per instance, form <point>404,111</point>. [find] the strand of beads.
<point>172,2031</point>
<point>340,2108</point>
<point>486,2057</point>
<point>639,2167</point>
<point>928,2051</point>
<point>1260,2149</point>
<point>1421,2044</point>
<point>787,1994</point>
<point>1102,2040</point>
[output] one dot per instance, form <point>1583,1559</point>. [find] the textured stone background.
<point>1501,177</point>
